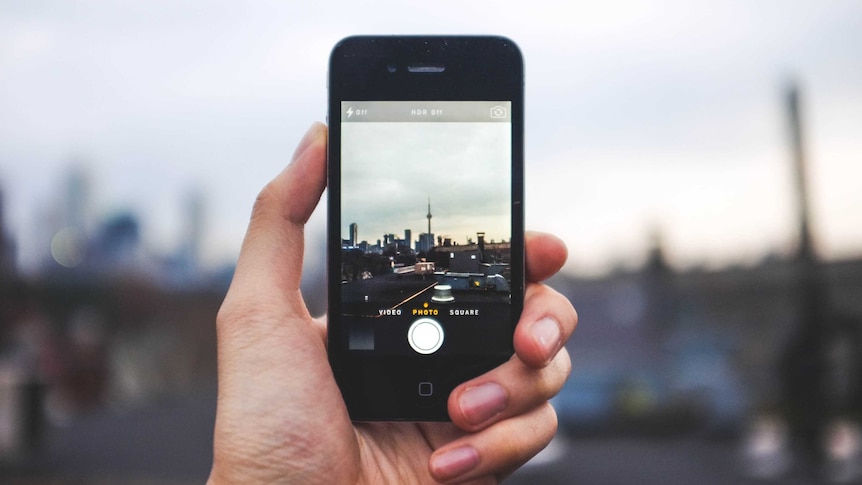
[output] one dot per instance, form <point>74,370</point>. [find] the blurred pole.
<point>804,365</point>
<point>806,246</point>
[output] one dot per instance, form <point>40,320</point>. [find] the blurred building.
<point>77,195</point>
<point>7,245</point>
<point>662,350</point>
<point>191,244</point>
<point>104,319</point>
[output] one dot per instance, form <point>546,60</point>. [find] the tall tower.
<point>429,214</point>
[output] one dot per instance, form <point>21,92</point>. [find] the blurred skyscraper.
<point>7,245</point>
<point>192,241</point>
<point>118,245</point>
<point>70,227</point>
<point>77,198</point>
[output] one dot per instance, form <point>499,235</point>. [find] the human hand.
<point>280,416</point>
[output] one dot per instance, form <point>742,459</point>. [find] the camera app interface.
<point>426,227</point>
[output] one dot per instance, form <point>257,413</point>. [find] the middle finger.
<point>509,390</point>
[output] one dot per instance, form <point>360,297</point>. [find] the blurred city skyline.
<point>644,120</point>
<point>134,138</point>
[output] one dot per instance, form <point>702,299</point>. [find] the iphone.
<point>425,218</point>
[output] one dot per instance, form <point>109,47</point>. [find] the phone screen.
<point>426,221</point>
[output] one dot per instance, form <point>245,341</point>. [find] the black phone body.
<point>425,218</point>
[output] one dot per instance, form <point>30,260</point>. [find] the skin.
<point>280,416</point>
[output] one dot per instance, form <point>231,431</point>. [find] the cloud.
<point>394,168</point>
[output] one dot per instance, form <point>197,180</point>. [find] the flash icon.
<point>350,111</point>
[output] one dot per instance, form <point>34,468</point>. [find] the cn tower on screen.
<point>429,214</point>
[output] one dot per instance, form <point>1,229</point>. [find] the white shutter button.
<point>425,336</point>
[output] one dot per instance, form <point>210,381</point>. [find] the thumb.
<point>270,352</point>
<point>269,269</point>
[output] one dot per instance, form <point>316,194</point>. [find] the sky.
<point>463,168</point>
<point>645,120</point>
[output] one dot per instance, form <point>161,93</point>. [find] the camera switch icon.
<point>498,112</point>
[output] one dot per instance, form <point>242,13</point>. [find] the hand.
<point>280,416</point>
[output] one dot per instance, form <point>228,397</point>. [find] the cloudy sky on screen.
<point>391,170</point>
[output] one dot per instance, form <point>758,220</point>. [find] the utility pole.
<point>803,206</point>
<point>804,365</point>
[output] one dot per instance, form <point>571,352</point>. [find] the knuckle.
<point>227,313</point>
<point>550,415</point>
<point>564,364</point>
<point>554,376</point>
<point>551,298</point>
<point>573,313</point>
<point>549,380</point>
<point>232,316</point>
<point>264,201</point>
<point>567,309</point>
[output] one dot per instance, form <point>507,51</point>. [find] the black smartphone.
<point>425,218</point>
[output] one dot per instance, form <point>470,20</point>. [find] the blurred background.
<point>702,162</point>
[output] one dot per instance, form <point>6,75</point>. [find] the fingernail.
<point>455,462</point>
<point>481,403</point>
<point>547,333</point>
<point>310,135</point>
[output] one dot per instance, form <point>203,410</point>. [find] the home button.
<point>425,336</point>
<point>426,389</point>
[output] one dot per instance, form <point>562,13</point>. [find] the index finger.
<point>546,254</point>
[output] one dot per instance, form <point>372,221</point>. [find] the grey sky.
<point>641,116</point>
<point>463,167</point>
